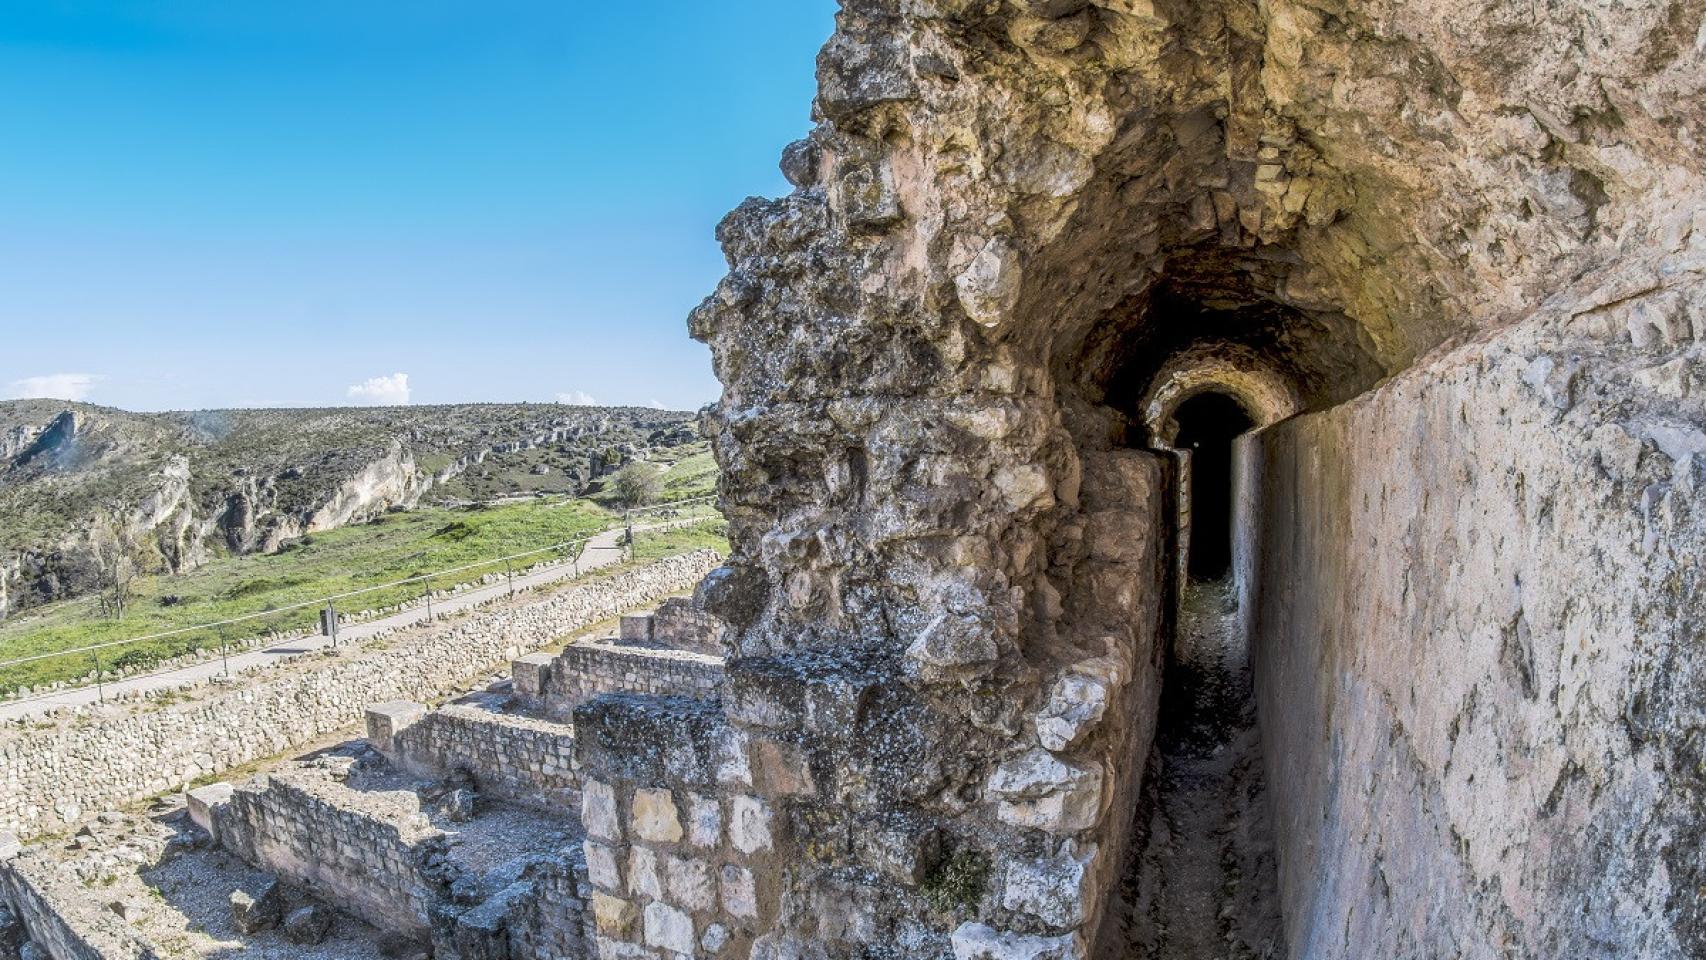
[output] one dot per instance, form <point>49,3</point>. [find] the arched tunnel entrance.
<point>1200,363</point>
<point>1208,423</point>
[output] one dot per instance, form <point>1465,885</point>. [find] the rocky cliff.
<point>169,490</point>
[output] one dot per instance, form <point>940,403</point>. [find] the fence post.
<point>429,600</point>
<point>510,573</point>
<point>225,653</point>
<point>100,688</point>
<point>628,521</point>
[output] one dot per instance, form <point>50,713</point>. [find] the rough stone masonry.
<point>1466,238</point>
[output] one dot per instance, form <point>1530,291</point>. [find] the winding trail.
<point>601,551</point>
<point>1200,880</point>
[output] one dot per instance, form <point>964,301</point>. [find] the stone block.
<point>655,817</point>
<point>733,760</point>
<point>613,916</point>
<point>1076,704</point>
<point>739,892</point>
<point>603,865</point>
<point>976,941</point>
<point>309,925</point>
<point>532,675</point>
<point>704,821</point>
<point>782,769</point>
<point>635,628</point>
<point>900,848</point>
<point>599,813</point>
<point>387,720</point>
<point>1055,889</point>
<point>203,802</point>
<point>691,884</point>
<point>669,928</point>
<point>749,825</point>
<point>1043,791</point>
<point>10,846</point>
<point>252,913</point>
<point>716,937</point>
<point>645,878</point>
<point>608,949</point>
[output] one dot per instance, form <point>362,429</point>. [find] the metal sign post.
<point>510,573</point>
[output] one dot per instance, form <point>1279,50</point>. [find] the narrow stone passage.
<point>1200,879</point>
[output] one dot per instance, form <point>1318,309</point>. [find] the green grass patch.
<point>694,475</point>
<point>329,562</point>
<point>657,544</point>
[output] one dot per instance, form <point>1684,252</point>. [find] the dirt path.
<point>1200,878</point>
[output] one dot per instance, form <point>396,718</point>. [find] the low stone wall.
<point>63,918</point>
<point>552,921</point>
<point>675,836</point>
<point>368,853</point>
<point>54,777</point>
<point>681,624</point>
<point>517,758</point>
<point>586,670</point>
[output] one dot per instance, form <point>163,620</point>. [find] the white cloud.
<point>392,391</point>
<point>657,405</point>
<point>577,398</point>
<point>54,386</point>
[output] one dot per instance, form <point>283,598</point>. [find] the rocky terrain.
<point>81,485</point>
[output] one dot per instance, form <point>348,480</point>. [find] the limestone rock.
<point>308,925</point>
<point>1043,791</point>
<point>252,913</point>
<point>977,941</point>
<point>1075,706</point>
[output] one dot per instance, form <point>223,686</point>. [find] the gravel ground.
<point>190,915</point>
<point>501,833</point>
<point>1200,880</point>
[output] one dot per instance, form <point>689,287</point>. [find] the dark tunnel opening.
<point>1208,424</point>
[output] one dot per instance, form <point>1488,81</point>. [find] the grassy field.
<point>394,547</point>
<point>694,475</point>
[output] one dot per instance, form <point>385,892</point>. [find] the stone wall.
<point>53,777</point>
<point>1479,594</point>
<point>62,917</point>
<point>370,853</point>
<point>680,852</point>
<point>681,624</point>
<point>585,670</point>
<point>514,757</point>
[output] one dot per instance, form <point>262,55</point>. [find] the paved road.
<point>602,551</point>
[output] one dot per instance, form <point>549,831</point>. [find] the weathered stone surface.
<point>655,816</point>
<point>1040,790</point>
<point>976,941</point>
<point>1055,890</point>
<point>600,815</point>
<point>253,912</point>
<point>669,928</point>
<point>308,925</point>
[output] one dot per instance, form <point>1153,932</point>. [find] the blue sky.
<point>289,203</point>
